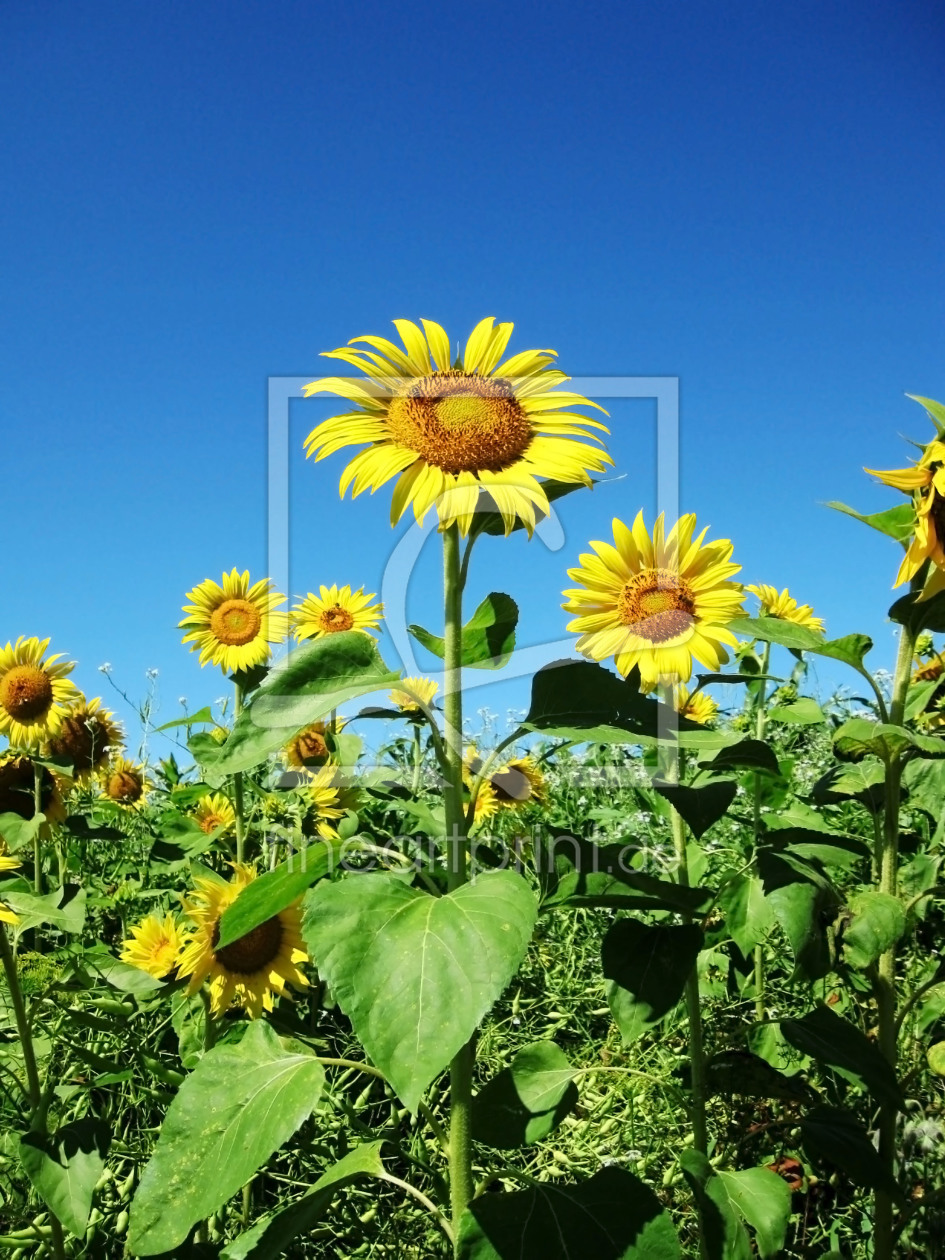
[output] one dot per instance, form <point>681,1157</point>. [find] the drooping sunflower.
<point>35,691</point>
<point>656,602</point>
<point>234,624</point>
<point>251,970</point>
<point>18,789</point>
<point>449,432</point>
<point>414,694</point>
<point>125,782</point>
<point>334,609</point>
<point>89,735</point>
<point>512,784</point>
<point>213,811</point>
<point>699,707</point>
<point>309,749</point>
<point>925,482</point>
<point>155,945</point>
<point>786,608</point>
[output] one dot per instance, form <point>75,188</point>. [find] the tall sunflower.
<point>449,431</point>
<point>334,609</point>
<point>234,624</point>
<point>89,735</point>
<point>656,602</point>
<point>155,945</point>
<point>35,691</point>
<point>254,968</point>
<point>925,482</point>
<point>785,607</point>
<point>213,811</point>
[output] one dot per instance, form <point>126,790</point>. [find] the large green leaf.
<point>238,1106</point>
<point>859,736</point>
<point>925,780</point>
<point>488,637</point>
<point>835,1134</point>
<point>311,681</point>
<point>747,1075</point>
<point>700,807</point>
<point>919,614</point>
<point>802,712</point>
<point>276,889</point>
<point>19,833</point>
<point>804,902</point>
<point>65,1166</point>
<point>876,922</point>
<point>526,1100</point>
<point>68,916</point>
<point>201,718</point>
<point>414,973</point>
<point>646,966</point>
<point>269,1237</point>
<point>896,522</point>
<point>748,914</point>
<point>588,874</point>
<point>613,1216</point>
<point>747,754</point>
<point>840,1045</point>
<point>728,1201</point>
<point>851,649</point>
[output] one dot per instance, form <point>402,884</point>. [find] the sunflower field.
<point>653,973</point>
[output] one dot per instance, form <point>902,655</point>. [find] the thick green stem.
<point>37,844</point>
<point>238,786</point>
<point>761,720</point>
<point>461,1068</point>
<point>887,864</point>
<point>417,759</point>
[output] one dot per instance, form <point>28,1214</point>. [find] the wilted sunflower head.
<point>35,691</point>
<point>155,945</point>
<point>333,610</point>
<point>449,431</point>
<point>309,749</point>
<point>88,736</point>
<point>252,970</point>
<point>234,624</point>
<point>656,602</point>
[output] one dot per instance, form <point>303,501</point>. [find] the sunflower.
<point>310,747</point>
<point>234,625</point>
<point>213,811</point>
<point>328,800</point>
<point>453,430</point>
<point>925,481</point>
<point>34,691</point>
<point>18,789</point>
<point>785,608</point>
<point>334,609</point>
<point>88,736</point>
<point>155,945</point>
<point>511,785</point>
<point>252,969</point>
<point>414,695</point>
<point>697,708</point>
<point>656,603</point>
<point>125,782</point>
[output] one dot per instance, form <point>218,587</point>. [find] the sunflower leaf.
<point>646,967</point>
<point>896,522</point>
<point>63,1168</point>
<point>526,1100</point>
<point>266,896</point>
<point>488,637</point>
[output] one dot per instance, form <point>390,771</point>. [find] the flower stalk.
<point>238,808</point>
<point>761,722</point>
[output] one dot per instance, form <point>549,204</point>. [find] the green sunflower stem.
<point>761,722</point>
<point>37,844</point>
<point>238,783</point>
<point>884,985</point>
<point>461,1068</point>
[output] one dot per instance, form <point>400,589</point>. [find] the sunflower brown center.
<point>26,693</point>
<point>311,747</point>
<point>335,619</point>
<point>657,604</point>
<point>84,740</point>
<point>252,952</point>
<point>235,622</point>
<point>125,787</point>
<point>210,822</point>
<point>461,422</point>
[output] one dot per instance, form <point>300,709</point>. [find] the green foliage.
<point>646,968</point>
<point>65,1167</point>
<point>488,637</point>
<point>527,1100</point>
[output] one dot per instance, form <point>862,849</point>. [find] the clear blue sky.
<point>198,197</point>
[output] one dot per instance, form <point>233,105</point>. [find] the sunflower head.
<point>125,782</point>
<point>233,623</point>
<point>697,708</point>
<point>414,695</point>
<point>451,431</point>
<point>252,971</point>
<point>929,671</point>
<point>309,749</point>
<point>35,691</point>
<point>155,945</point>
<point>17,789</point>
<point>88,736</point>
<point>214,811</point>
<point>785,608</point>
<point>333,610</point>
<point>512,784</point>
<point>327,798</point>
<point>925,483</point>
<point>656,602</point>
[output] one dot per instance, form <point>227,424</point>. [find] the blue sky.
<point>200,197</point>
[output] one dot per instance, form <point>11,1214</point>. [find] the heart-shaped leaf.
<point>647,966</point>
<point>527,1100</point>
<point>488,637</point>
<point>65,1167</point>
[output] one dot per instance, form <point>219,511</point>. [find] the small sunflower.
<point>18,789</point>
<point>925,482</point>
<point>513,784</point>
<point>785,608</point>
<point>697,708</point>
<point>449,432</point>
<point>414,695</point>
<point>656,602</point>
<point>155,945</point>
<point>213,811</point>
<point>309,748</point>
<point>35,691</point>
<point>125,782</point>
<point>334,609</point>
<point>328,799</point>
<point>89,735</point>
<point>234,625</point>
<point>254,968</point>
<point>929,671</point>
